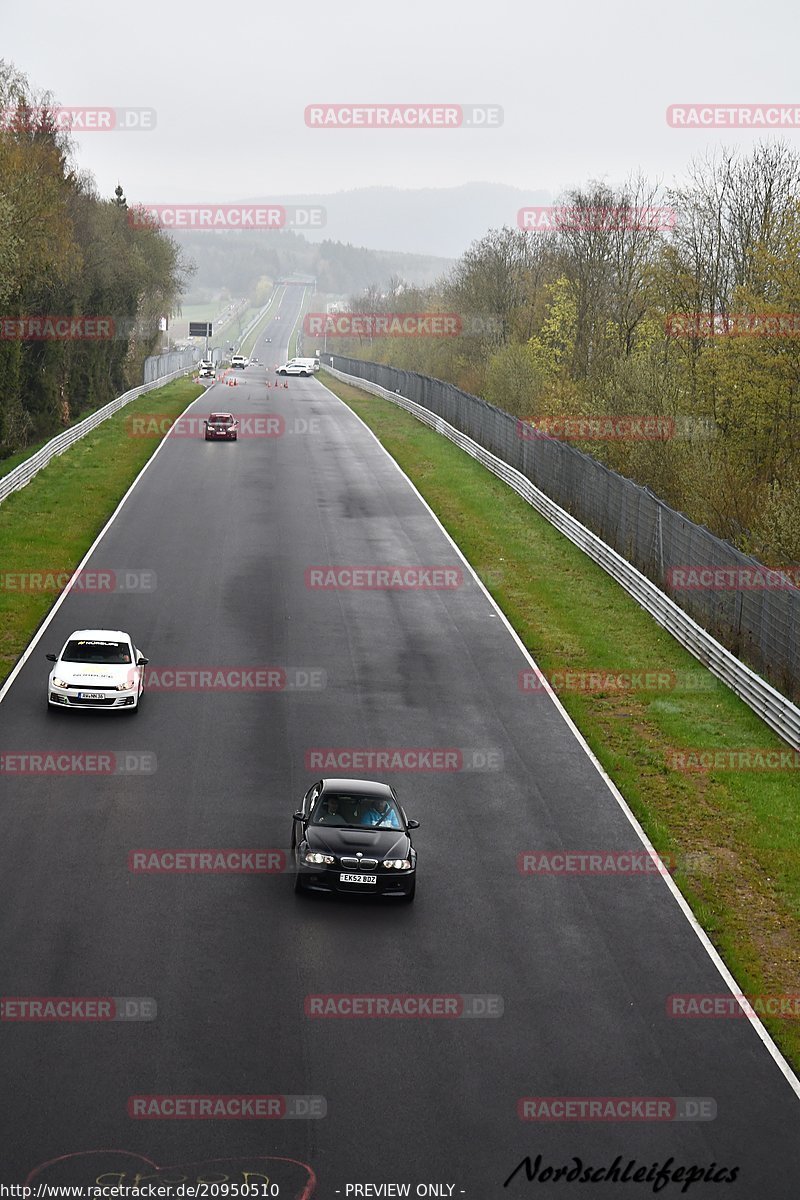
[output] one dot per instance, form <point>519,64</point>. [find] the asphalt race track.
<point>584,964</point>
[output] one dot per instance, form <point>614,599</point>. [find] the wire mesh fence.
<point>159,365</point>
<point>753,611</point>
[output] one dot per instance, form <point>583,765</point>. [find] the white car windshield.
<point>109,653</point>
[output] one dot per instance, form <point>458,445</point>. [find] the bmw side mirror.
<point>298,816</point>
<point>51,658</point>
<point>412,824</point>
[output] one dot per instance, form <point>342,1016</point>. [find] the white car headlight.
<point>62,683</point>
<point>126,687</point>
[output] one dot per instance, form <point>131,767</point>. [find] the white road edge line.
<point>27,652</point>
<point>705,941</point>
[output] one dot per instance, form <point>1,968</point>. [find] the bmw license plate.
<point>91,696</point>
<point>357,879</point>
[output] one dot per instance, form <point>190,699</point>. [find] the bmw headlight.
<point>62,683</point>
<point>399,864</point>
<point>313,856</point>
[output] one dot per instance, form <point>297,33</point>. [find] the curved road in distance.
<point>584,965</point>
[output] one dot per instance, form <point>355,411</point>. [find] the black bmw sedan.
<point>351,835</point>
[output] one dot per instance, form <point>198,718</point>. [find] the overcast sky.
<point>583,88</point>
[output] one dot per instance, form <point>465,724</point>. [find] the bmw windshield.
<point>356,812</point>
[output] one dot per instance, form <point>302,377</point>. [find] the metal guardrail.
<point>774,709</point>
<point>24,473</point>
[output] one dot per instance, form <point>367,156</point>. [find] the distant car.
<point>239,360</point>
<point>97,669</point>
<point>294,368</point>
<point>221,427</point>
<point>207,370</point>
<point>352,836</point>
<point>311,363</point>
<point>267,339</point>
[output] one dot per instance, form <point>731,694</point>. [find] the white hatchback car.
<point>97,669</point>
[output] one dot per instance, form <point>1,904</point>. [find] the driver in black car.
<point>330,814</point>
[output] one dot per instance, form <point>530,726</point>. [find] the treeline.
<point>624,317</point>
<point>65,252</point>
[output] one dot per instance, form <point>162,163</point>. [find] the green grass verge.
<point>49,525</point>
<point>735,834</point>
<point>14,460</point>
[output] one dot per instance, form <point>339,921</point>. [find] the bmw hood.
<point>372,843</point>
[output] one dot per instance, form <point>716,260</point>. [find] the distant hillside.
<point>370,235</point>
<point>439,221</point>
<point>234,263</point>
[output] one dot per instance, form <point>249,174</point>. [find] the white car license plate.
<point>91,696</point>
<point>358,879</point>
